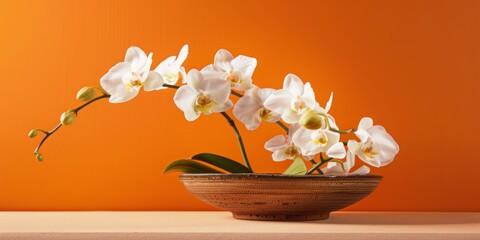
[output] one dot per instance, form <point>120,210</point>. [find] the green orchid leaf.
<point>189,166</point>
<point>224,163</point>
<point>297,168</point>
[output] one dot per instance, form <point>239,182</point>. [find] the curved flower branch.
<point>312,129</point>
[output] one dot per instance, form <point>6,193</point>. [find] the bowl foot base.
<point>282,217</point>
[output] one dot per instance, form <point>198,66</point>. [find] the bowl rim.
<point>279,175</point>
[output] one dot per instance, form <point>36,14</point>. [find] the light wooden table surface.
<point>221,225</point>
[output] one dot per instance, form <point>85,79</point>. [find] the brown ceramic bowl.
<point>279,197</point>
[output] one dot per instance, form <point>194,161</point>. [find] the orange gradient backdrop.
<point>413,66</point>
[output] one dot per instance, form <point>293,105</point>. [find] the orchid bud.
<point>68,118</point>
<point>32,133</point>
<point>311,120</point>
<point>38,156</point>
<point>86,94</point>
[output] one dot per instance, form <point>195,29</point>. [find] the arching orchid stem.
<point>236,94</point>
<point>75,111</point>
<point>239,138</point>
<point>315,163</point>
<point>334,129</point>
<point>282,126</point>
<point>171,86</point>
<point>47,135</point>
<point>318,165</point>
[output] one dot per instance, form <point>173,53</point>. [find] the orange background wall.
<point>414,66</point>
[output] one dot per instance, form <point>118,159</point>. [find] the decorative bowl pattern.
<point>277,197</point>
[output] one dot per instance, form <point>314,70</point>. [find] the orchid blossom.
<point>237,71</point>
<point>124,80</point>
<point>376,146</point>
<point>171,68</point>
<point>312,142</point>
<point>202,95</point>
<point>250,109</point>
<point>293,100</point>
<point>284,148</point>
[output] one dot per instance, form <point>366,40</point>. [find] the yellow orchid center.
<point>204,104</point>
<point>265,114</point>
<point>319,137</point>
<point>171,77</point>
<point>233,79</point>
<point>135,81</point>
<point>369,151</point>
<point>299,105</point>
<point>292,152</point>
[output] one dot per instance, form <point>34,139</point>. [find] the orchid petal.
<point>145,69</point>
<point>379,135</point>
<point>185,98</point>
<point>164,65</point>
<point>372,162</point>
<point>245,84</point>
<point>244,64</point>
<point>309,96</point>
<point>222,107</point>
<point>219,89</point>
<point>291,117</point>
<point>362,170</point>
<point>350,163</point>
<point>279,155</point>
<point>191,116</point>
<point>154,81</point>
<point>329,103</point>
<point>365,123</point>
<point>292,130</point>
<point>279,101</point>
<point>246,110</point>
<point>362,135</point>
<point>263,94</point>
<point>336,151</point>
<point>353,146</point>
<point>135,57</point>
<point>194,78</point>
<point>389,148</point>
<point>293,84</point>
<point>332,137</point>
<point>183,74</point>
<point>113,78</point>
<point>222,55</point>
<point>276,143</point>
<point>302,138</point>
<point>122,94</point>
<point>333,168</point>
<point>182,56</point>
<point>212,72</point>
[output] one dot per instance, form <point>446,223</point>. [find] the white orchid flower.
<point>376,146</point>
<point>171,68</point>
<point>124,80</point>
<point>237,71</point>
<point>334,168</point>
<point>312,142</point>
<point>283,147</point>
<point>250,109</point>
<point>202,96</point>
<point>293,100</point>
